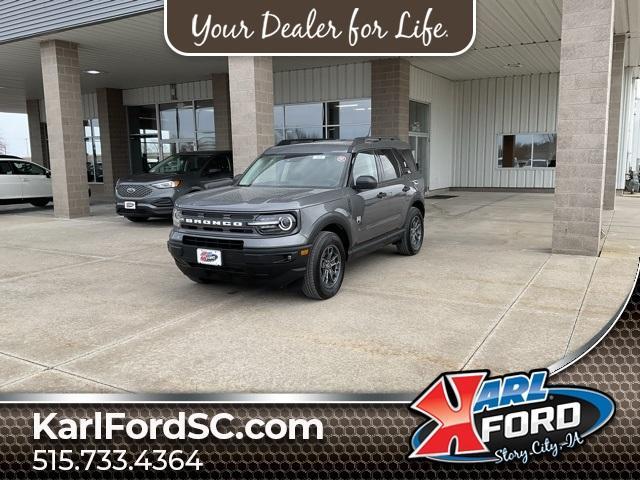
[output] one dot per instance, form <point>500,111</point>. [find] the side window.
<point>5,168</point>
<point>221,163</point>
<point>25,168</point>
<point>409,161</point>
<point>390,167</point>
<point>364,164</point>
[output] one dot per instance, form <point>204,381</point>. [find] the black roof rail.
<point>300,140</point>
<point>359,140</point>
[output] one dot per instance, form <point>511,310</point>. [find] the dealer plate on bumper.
<point>130,205</point>
<point>209,257</point>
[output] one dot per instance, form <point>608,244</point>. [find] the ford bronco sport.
<point>301,210</point>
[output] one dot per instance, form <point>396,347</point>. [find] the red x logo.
<point>452,422</point>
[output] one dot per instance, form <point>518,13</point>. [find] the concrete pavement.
<point>96,304</point>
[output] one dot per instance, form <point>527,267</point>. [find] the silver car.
<point>153,194</point>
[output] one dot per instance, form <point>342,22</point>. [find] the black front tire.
<point>413,236</point>
<point>325,267</point>
<point>137,219</point>
<point>40,202</point>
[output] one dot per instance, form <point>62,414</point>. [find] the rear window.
<point>409,163</point>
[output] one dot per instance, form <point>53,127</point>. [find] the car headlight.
<point>177,218</point>
<point>167,184</point>
<point>275,224</point>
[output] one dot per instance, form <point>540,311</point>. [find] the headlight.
<point>168,184</point>
<point>177,218</point>
<point>275,224</point>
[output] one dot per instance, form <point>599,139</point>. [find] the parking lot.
<point>96,304</point>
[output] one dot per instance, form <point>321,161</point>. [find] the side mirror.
<point>237,178</point>
<point>47,174</point>
<point>366,182</point>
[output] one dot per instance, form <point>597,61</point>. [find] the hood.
<point>148,178</point>
<point>236,198</point>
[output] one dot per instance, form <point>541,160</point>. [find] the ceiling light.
<point>93,72</point>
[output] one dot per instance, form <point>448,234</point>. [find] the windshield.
<point>297,170</point>
<point>187,164</point>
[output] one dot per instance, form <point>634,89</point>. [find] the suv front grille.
<point>133,191</point>
<point>220,243</point>
<point>244,218</point>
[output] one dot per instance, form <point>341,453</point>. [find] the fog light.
<point>305,252</point>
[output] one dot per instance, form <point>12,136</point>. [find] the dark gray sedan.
<point>153,194</point>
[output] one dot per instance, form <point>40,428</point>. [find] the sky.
<point>14,132</point>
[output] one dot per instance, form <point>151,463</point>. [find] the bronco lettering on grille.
<point>213,223</point>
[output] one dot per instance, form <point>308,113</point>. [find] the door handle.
<point>381,195</point>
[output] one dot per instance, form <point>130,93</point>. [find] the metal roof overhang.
<point>517,37</point>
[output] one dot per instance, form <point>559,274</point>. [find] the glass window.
<point>527,150</point>
<point>303,115</point>
<point>186,121</point>
<point>297,170</point>
<point>168,122</point>
<point>205,125</point>
<point>364,164</point>
<point>143,137</point>
<point>93,150</point>
<point>349,112</point>
<point>304,133</point>
<point>344,119</point>
<point>278,116</point>
<point>418,117</point>
<point>5,168</point>
<point>390,167</point>
<point>26,168</point>
<point>219,164</point>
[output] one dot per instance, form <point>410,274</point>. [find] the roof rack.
<point>299,140</point>
<point>359,140</point>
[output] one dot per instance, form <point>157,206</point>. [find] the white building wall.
<point>322,84</point>
<point>490,107</point>
<point>425,87</point>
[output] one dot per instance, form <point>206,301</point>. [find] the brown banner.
<point>329,27</point>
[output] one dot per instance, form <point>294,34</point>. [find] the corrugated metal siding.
<point>490,107</point>
<point>323,83</point>
<point>439,92</point>
<point>89,105</point>
<point>27,18</point>
<point>201,90</point>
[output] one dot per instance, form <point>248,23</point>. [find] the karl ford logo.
<point>473,418</point>
<point>330,27</point>
<point>212,223</point>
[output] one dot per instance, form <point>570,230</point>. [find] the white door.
<point>10,183</point>
<point>35,181</point>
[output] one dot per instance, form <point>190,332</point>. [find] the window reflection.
<point>537,150</point>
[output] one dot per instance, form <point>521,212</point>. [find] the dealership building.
<point>543,101</point>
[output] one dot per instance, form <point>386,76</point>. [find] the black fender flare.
<point>333,218</point>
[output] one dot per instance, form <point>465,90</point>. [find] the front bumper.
<point>284,264</point>
<point>159,205</point>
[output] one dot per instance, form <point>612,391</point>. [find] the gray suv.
<point>153,194</point>
<point>301,210</point>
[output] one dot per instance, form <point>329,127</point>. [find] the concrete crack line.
<point>584,297</point>
<point>122,341</point>
<point>54,269</point>
<point>504,314</point>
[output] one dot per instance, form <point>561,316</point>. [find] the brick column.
<point>222,110</point>
<point>583,117</point>
<point>114,138</point>
<point>390,98</point>
<point>61,80</point>
<point>251,94</point>
<point>35,131</point>
<point>615,109</point>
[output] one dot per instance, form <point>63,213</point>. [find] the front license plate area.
<point>209,257</point>
<point>130,205</point>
